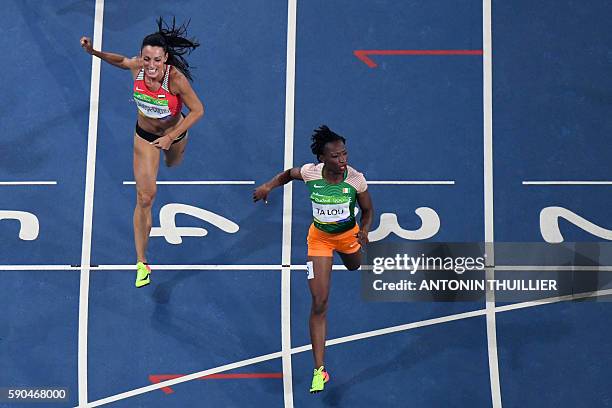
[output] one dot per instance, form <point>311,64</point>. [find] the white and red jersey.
<point>160,104</point>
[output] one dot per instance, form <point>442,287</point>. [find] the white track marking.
<point>567,183</point>
<point>487,68</point>
<point>197,182</point>
<point>412,182</point>
<point>90,175</point>
<point>288,206</point>
<point>344,340</point>
<point>28,183</point>
<point>527,268</point>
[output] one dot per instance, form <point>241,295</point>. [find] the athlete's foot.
<point>143,274</point>
<point>319,378</point>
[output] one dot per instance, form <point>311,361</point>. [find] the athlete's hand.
<point>261,193</point>
<point>87,45</point>
<point>362,237</point>
<point>163,142</point>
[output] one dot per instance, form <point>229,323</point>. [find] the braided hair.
<point>175,44</point>
<point>321,137</point>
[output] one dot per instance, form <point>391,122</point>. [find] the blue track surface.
<point>411,118</point>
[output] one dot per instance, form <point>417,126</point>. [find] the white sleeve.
<point>357,180</point>
<point>311,171</point>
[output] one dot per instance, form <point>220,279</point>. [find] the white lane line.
<point>252,182</point>
<point>551,300</point>
<point>487,68</point>
<point>534,268</point>
<point>129,267</point>
<point>90,175</point>
<point>288,206</point>
<point>492,342</point>
<point>346,339</point>
<point>552,268</point>
<point>183,379</point>
<point>39,268</point>
<point>28,183</point>
<point>195,267</point>
<point>395,329</point>
<point>197,182</point>
<point>567,183</point>
<point>413,182</point>
<point>273,356</point>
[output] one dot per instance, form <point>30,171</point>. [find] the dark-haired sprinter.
<point>334,188</point>
<point>161,87</point>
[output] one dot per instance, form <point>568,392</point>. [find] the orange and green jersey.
<point>333,205</point>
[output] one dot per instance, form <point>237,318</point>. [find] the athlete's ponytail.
<point>174,42</point>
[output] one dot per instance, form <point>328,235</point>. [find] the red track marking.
<point>157,378</point>
<point>363,54</point>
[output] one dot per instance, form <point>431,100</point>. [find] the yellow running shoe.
<point>319,378</point>
<point>143,274</point>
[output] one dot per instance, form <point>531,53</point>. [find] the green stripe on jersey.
<point>333,205</point>
<point>147,98</point>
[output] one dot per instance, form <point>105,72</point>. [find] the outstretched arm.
<point>114,59</point>
<point>261,192</point>
<point>367,213</point>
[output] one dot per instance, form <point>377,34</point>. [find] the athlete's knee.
<point>319,305</point>
<point>173,162</point>
<point>352,262</point>
<point>145,198</point>
<point>174,158</point>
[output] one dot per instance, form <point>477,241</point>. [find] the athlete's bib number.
<point>153,111</point>
<point>331,212</point>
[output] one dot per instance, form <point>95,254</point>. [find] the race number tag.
<point>331,212</point>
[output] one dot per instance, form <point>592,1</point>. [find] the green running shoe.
<point>143,274</point>
<point>319,378</point>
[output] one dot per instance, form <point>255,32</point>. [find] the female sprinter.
<point>161,87</point>
<point>334,187</point>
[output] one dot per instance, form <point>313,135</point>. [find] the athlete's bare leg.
<point>174,155</point>
<point>351,261</point>
<point>146,165</point>
<point>319,289</point>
